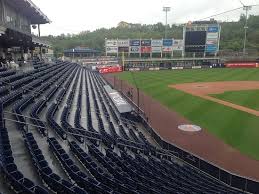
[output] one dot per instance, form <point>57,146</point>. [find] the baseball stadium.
<point>134,109</point>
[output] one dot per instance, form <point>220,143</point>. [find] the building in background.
<point>16,19</point>
<point>81,52</point>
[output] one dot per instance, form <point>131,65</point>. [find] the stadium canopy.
<point>29,9</point>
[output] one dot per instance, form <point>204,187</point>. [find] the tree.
<point>231,35</point>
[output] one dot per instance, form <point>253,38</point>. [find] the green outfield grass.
<point>237,128</point>
<point>248,98</point>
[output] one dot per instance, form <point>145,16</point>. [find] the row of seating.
<point>12,176</point>
<point>54,106</point>
<point>79,133</point>
<point>54,181</point>
<point>110,181</point>
<point>117,157</point>
<point>137,143</point>
<point>125,139</point>
<point>144,139</point>
<point>39,64</point>
<point>10,98</point>
<point>3,90</point>
<point>7,73</point>
<point>126,136</point>
<point>84,181</point>
<point>35,110</point>
<point>3,69</point>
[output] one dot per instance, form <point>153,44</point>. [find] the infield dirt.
<point>203,89</point>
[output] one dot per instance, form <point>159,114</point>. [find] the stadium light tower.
<point>246,8</point>
<point>166,10</point>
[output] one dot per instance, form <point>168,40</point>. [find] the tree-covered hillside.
<point>231,35</point>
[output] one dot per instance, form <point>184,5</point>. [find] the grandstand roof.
<point>29,9</point>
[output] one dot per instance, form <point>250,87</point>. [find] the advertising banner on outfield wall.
<point>111,43</point>
<point>156,49</point>
<point>145,42</point>
<point>156,43</point>
<point>167,49</point>
<point>245,65</point>
<point>134,49</point>
<point>123,43</point>
<point>112,69</point>
<point>134,43</point>
<point>167,42</point>
<point>111,49</point>
<point>123,49</point>
<point>146,49</point>
<point>178,45</point>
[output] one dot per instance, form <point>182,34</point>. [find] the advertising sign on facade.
<point>123,49</point>
<point>211,48</point>
<point>134,49</point>
<point>213,29</point>
<point>167,42</point>
<point>111,49</point>
<point>213,35</point>
<point>146,49</point>
<point>134,42</point>
<point>156,49</point>
<point>156,43</point>
<point>123,43</point>
<point>178,45</point>
<point>209,41</point>
<point>145,42</point>
<point>111,43</point>
<point>167,49</point>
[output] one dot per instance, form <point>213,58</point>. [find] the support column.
<point>40,45</point>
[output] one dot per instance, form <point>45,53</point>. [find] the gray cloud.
<point>79,15</point>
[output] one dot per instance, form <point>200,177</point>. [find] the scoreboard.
<point>200,37</point>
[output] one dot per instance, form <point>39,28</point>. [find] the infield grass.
<point>238,129</point>
<point>247,98</point>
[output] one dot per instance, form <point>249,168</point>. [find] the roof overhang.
<point>30,10</point>
<point>13,38</point>
<point>39,42</point>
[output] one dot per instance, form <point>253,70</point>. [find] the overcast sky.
<point>74,16</point>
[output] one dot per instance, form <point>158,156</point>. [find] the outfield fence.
<point>153,115</point>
